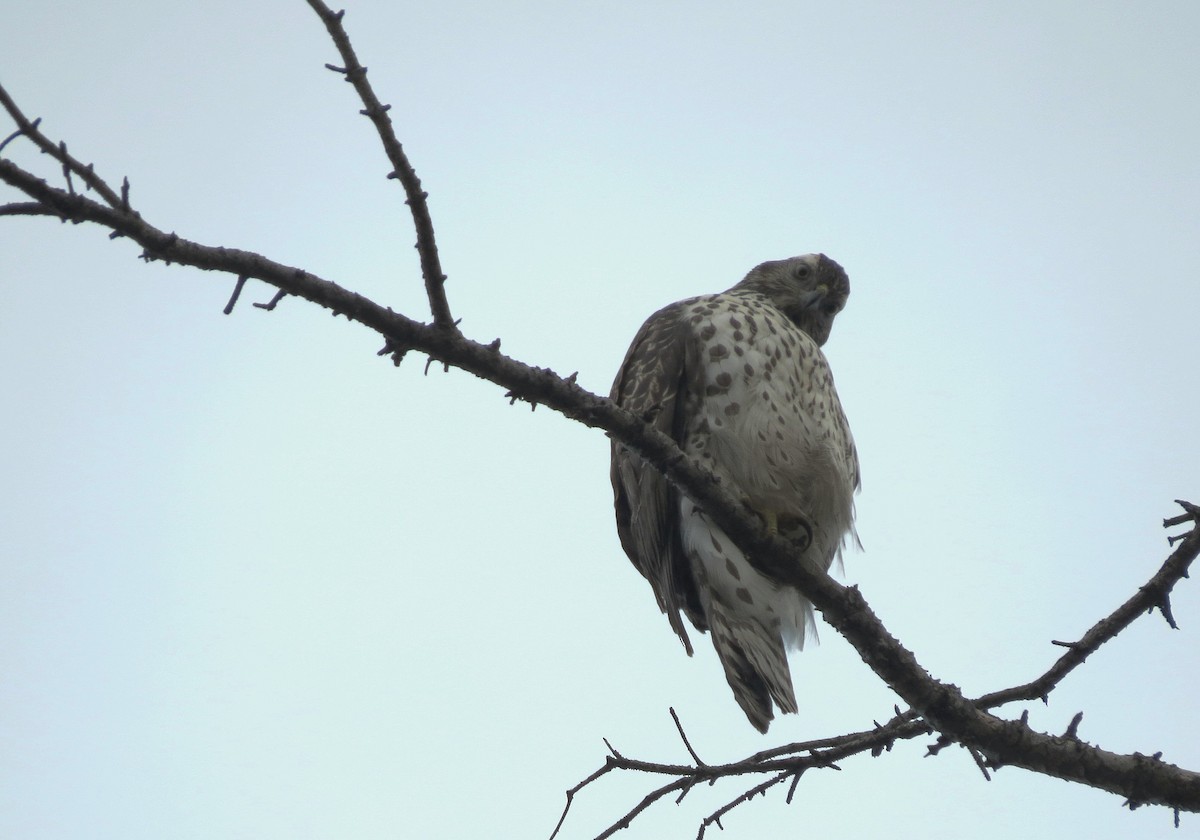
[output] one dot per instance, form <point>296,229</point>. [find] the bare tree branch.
<point>761,788</point>
<point>29,128</point>
<point>25,208</point>
<point>356,74</point>
<point>909,725</point>
<point>1154,593</point>
<point>822,753</point>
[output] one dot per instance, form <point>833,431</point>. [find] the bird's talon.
<point>772,520</point>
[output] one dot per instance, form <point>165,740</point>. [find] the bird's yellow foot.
<point>772,520</point>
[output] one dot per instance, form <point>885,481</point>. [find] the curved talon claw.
<point>806,540</point>
<point>796,529</point>
<point>772,520</point>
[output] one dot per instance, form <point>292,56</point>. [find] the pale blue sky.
<point>256,582</point>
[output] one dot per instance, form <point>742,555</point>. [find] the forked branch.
<point>793,760</point>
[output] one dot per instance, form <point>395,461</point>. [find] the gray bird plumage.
<point>740,381</point>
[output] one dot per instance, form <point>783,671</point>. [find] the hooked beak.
<point>811,298</point>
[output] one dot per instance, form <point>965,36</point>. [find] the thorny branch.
<point>934,705</point>
<point>793,759</point>
<point>356,74</point>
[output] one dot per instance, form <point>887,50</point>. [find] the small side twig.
<point>715,817</point>
<point>980,763</point>
<point>20,132</point>
<point>1153,594</point>
<point>1073,727</point>
<point>684,737</point>
<point>608,766</point>
<point>31,129</point>
<point>237,292</point>
<point>402,170</point>
<point>273,302</point>
<point>66,169</point>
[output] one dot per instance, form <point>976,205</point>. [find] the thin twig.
<point>648,800</point>
<point>237,292</point>
<point>31,129</point>
<point>608,766</point>
<point>20,132</point>
<point>1153,593</point>
<point>715,816</point>
<point>273,302</point>
<point>66,169</point>
<point>402,170</point>
<point>684,737</point>
<point>979,763</point>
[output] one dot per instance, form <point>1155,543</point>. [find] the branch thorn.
<point>66,169</point>
<point>1073,727</point>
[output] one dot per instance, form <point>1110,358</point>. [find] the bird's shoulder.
<point>680,342</point>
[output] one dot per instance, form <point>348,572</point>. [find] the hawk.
<point>739,380</point>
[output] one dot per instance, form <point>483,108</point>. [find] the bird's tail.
<point>755,663</point>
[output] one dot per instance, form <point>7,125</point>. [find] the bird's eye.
<point>802,271</point>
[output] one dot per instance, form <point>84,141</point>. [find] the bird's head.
<point>811,290</point>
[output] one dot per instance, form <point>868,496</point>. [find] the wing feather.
<point>659,381</point>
